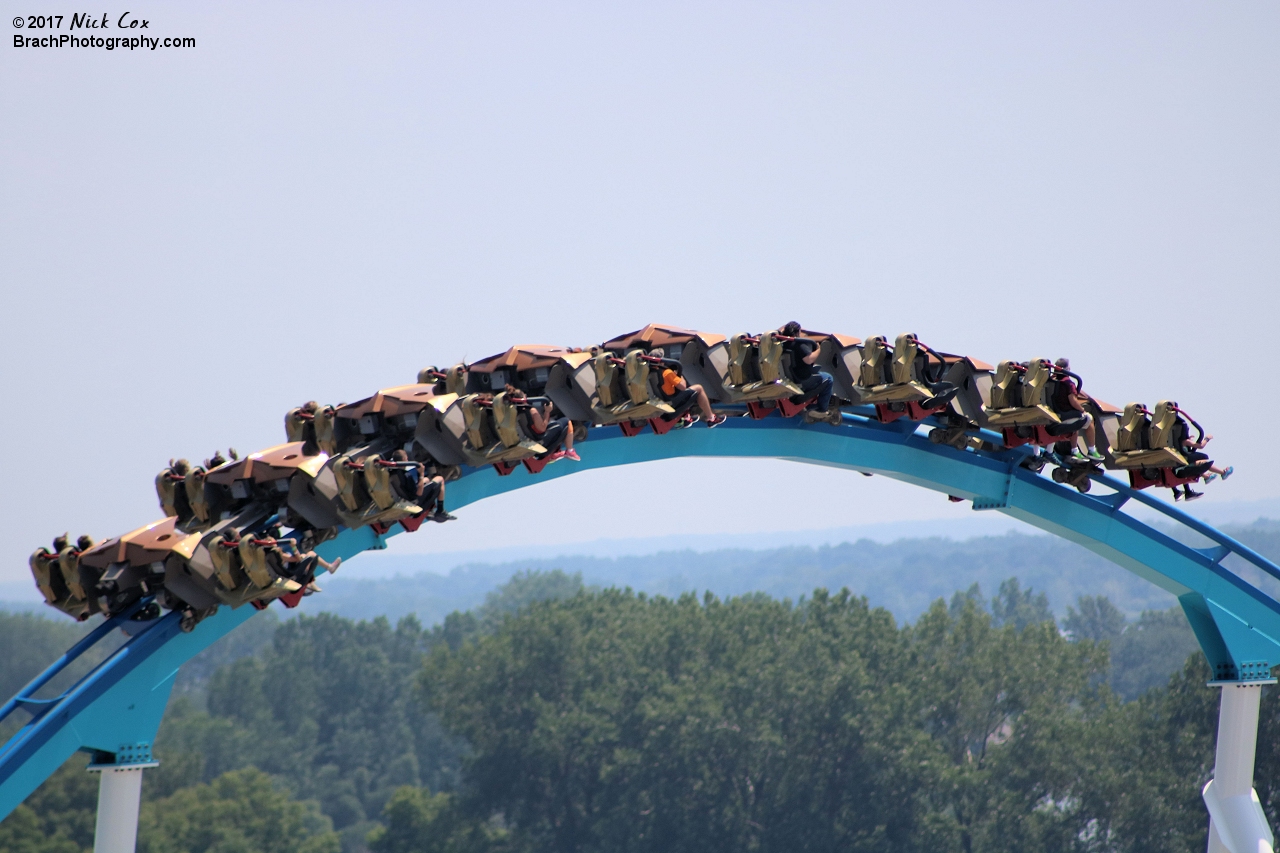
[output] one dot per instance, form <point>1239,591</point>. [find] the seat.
<point>889,375</point>
<point>366,494</point>
<point>506,422</point>
<point>625,389</point>
<point>48,577</point>
<point>896,379</point>
<point>1006,390</point>
<point>754,370</point>
<point>474,416</point>
<point>259,565</point>
<point>295,424</point>
<point>874,370</point>
<point>378,480</point>
<point>224,553</point>
<point>197,497</point>
<point>349,475</point>
<point>636,370</point>
<point>172,493</point>
<point>326,436</point>
<point>605,367</point>
<point>1147,439</point>
<point>1021,403</point>
<point>769,358</point>
<point>69,566</point>
<point>1150,445</point>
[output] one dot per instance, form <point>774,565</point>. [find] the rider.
<point>553,433</point>
<point>1069,400</point>
<point>679,394</point>
<point>424,483</point>
<point>804,354</point>
<point>297,564</point>
<point>1197,466</point>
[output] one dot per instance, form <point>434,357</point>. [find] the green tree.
<point>1005,708</point>
<point>239,812</point>
<point>58,817</point>
<point>1150,650</point>
<point>417,821</point>
<point>1097,619</point>
<point>1019,607</point>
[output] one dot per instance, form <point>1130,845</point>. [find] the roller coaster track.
<point>117,707</point>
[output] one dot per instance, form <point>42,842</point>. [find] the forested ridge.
<point>562,717</point>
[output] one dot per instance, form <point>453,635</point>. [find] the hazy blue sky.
<point>318,199</point>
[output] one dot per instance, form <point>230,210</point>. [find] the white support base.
<point>1236,820</point>
<point>119,796</point>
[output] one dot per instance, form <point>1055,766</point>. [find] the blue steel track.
<point>121,702</point>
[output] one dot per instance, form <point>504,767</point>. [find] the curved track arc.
<point>1238,625</point>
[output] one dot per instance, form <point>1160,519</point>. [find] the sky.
<point>318,199</point>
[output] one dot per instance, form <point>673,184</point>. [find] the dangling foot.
<point>1209,478</point>
<point>440,516</point>
<point>1191,496</point>
<point>716,420</point>
<point>571,455</point>
<point>1094,456</point>
<point>1231,469</point>
<point>1177,495</point>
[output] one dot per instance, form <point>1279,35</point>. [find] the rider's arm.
<point>536,419</point>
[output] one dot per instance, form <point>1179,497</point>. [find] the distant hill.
<point>903,577</point>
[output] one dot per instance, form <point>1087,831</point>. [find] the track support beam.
<point>119,797</point>
<point>1237,823</point>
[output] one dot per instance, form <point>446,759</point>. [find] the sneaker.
<point>571,455</point>
<point>716,420</point>
<point>1193,495</point>
<point>1231,469</point>
<point>1209,478</point>
<point>1094,455</point>
<point>1177,495</point>
<point>440,516</point>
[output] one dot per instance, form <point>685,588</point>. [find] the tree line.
<point>560,718</point>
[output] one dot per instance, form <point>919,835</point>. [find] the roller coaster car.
<point>839,356</point>
<point>483,426</point>
<point>912,380</point>
<point>267,479</point>
<point>131,566</point>
<point>62,580</point>
<point>1149,446</point>
<point>313,425</point>
<point>476,430</point>
<point>620,381</point>
<point>452,380</point>
<point>754,371</point>
<point>539,370</point>
<point>1021,404</point>
<point>368,490</point>
<point>391,414</point>
<point>234,568</point>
